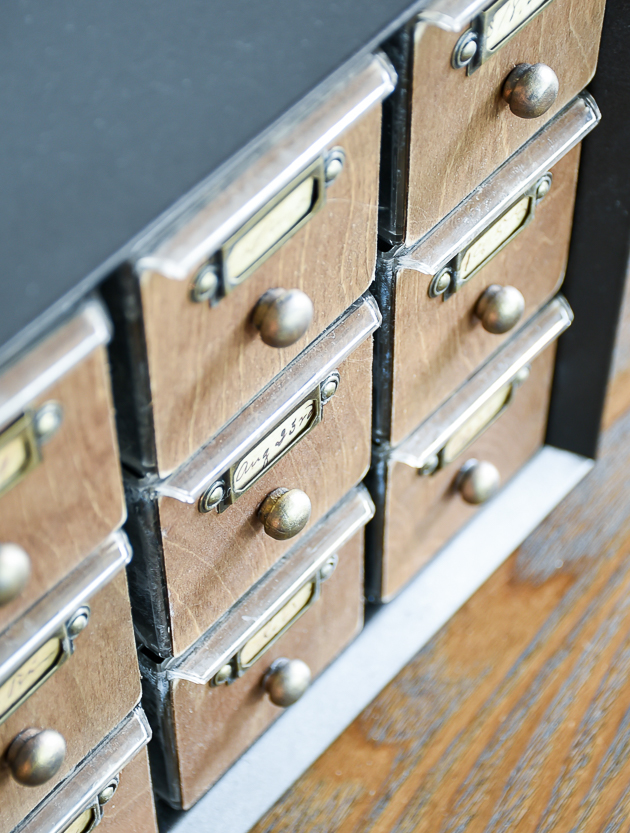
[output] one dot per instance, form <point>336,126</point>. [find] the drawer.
<point>86,698</point>
<point>199,541</point>
<point>209,707</point>
<point>511,237</point>
<point>110,790</point>
<point>458,458</point>
<point>461,127</point>
<point>61,490</point>
<point>205,353</point>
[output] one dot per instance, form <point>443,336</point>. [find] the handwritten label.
<point>496,235</point>
<point>261,640</point>
<point>263,455</point>
<point>475,425</point>
<point>27,677</point>
<point>508,18</point>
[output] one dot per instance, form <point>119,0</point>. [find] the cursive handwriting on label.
<point>29,674</point>
<point>508,18</point>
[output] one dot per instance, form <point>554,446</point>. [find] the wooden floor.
<point>516,716</point>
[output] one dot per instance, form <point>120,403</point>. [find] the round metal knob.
<point>35,756</point>
<point>478,481</point>
<point>15,569</point>
<point>284,513</point>
<point>530,90</point>
<point>283,316</point>
<point>286,681</point>
<point>500,308</point>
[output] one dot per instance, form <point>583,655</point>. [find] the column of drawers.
<point>66,637</point>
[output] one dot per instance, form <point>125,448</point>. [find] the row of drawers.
<point>242,371</point>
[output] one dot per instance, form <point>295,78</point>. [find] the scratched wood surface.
<point>206,363</point>
<point>211,560</point>
<point>73,500</point>
<point>84,700</point>
<point>214,726</point>
<point>515,716</point>
<point>462,129</point>
<point>439,344</point>
<point>131,810</point>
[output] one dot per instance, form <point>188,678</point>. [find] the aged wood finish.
<point>84,700</point>
<point>73,500</point>
<point>439,344</point>
<point>515,716</point>
<point>211,560</point>
<point>618,393</point>
<point>206,363</point>
<point>422,513</point>
<point>461,128</point>
<point>131,810</point>
<point>214,726</point>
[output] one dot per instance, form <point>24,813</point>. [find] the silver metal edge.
<point>50,359</point>
<point>251,179</point>
<point>80,789</point>
<point>272,592</point>
<point>487,202</point>
<point>530,341</point>
<point>263,413</point>
<point>21,639</point>
<point>451,15</point>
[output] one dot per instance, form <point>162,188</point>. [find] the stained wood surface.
<point>131,810</point>
<point>462,129</point>
<point>439,344</point>
<point>206,363</point>
<point>618,393</point>
<point>74,499</point>
<point>211,560</point>
<point>214,726</point>
<point>84,700</point>
<point>515,716</point>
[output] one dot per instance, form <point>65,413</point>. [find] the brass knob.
<point>286,681</point>
<point>478,481</point>
<point>500,308</point>
<point>35,756</point>
<point>284,513</point>
<point>530,90</point>
<point>15,569</point>
<point>283,316</point>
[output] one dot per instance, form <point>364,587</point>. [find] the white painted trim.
<point>388,642</point>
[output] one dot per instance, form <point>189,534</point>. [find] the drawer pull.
<point>477,481</point>
<point>530,90</point>
<point>286,681</point>
<point>15,569</point>
<point>500,308</point>
<point>283,316</point>
<point>284,513</point>
<point>35,756</point>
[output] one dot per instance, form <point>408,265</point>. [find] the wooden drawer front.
<point>211,559</point>
<point>65,506</point>
<point>423,513</point>
<point>461,127</point>
<point>77,700</point>
<point>452,338</point>
<point>131,808</point>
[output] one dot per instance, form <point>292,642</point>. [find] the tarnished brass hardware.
<point>478,481</point>
<point>286,681</point>
<point>500,308</point>
<point>530,90</point>
<point>205,285</point>
<point>35,756</point>
<point>329,387</point>
<point>212,497</point>
<point>329,567</point>
<point>47,421</point>
<point>441,283</point>
<point>108,793</point>
<point>15,571</point>
<point>79,622</point>
<point>430,466</point>
<point>283,316</point>
<point>223,675</point>
<point>334,164</point>
<point>20,442</point>
<point>284,513</point>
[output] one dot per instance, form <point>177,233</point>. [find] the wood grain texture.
<point>462,129</point>
<point>74,498</point>
<point>131,810</point>
<point>423,513</point>
<point>515,716</point>
<point>84,700</point>
<point>211,560</point>
<point>207,363</point>
<point>439,344</point>
<point>618,393</point>
<point>214,726</point>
